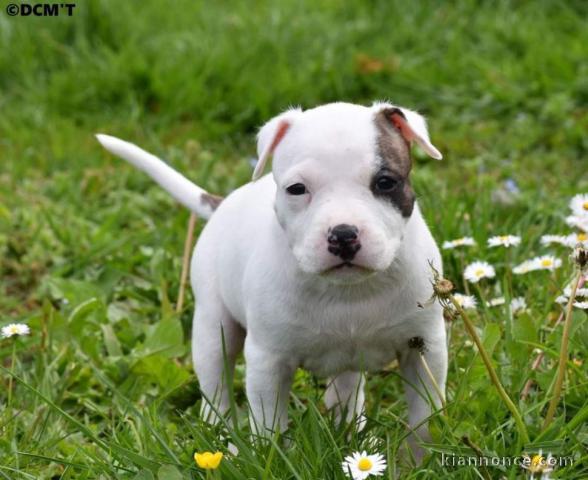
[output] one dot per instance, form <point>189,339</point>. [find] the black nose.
<point>343,241</point>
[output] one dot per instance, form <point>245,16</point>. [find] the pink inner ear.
<point>280,133</point>
<point>402,126</point>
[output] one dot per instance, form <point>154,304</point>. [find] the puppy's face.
<point>343,188</point>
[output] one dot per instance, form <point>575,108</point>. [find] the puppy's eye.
<point>386,183</point>
<point>296,189</point>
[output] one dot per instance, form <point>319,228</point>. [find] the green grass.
<point>90,248</point>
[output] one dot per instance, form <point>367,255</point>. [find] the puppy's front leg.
<point>419,389</point>
<point>267,380</point>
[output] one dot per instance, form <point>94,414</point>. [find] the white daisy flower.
<point>577,239</point>
<point>467,302</point>
<point>459,242</point>
<point>496,302</point>
<point>361,465</point>
<point>551,239</point>
<point>504,241</point>
<point>525,267</point>
<point>546,262</point>
<point>538,464</point>
<point>580,292</point>
<point>562,300</point>
<point>478,270</point>
<point>579,205</point>
<point>578,222</point>
<point>518,305</point>
<point>582,305</point>
<point>15,329</point>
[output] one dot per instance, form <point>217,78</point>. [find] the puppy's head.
<point>343,189</point>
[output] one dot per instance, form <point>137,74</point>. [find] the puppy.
<point>321,264</point>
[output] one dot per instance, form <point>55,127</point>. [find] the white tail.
<point>183,190</point>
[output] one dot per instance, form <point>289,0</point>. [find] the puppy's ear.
<point>270,136</point>
<point>411,126</point>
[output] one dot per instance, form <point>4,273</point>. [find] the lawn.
<point>90,249</point>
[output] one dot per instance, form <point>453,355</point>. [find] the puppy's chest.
<point>332,351</point>
<point>347,337</point>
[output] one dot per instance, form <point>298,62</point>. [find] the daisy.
<point>562,300</point>
<point>478,270</point>
<point>459,242</point>
<point>546,262</point>
<point>518,305</point>
<point>525,267</point>
<point>580,292</point>
<point>15,329</point>
<point>578,222</point>
<point>504,241</point>
<point>577,240</point>
<point>496,302</point>
<point>551,239</point>
<point>361,465</point>
<point>579,205</point>
<point>467,302</point>
<point>538,464</point>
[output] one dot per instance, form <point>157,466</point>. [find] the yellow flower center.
<point>479,272</point>
<point>582,237</point>
<point>504,238</point>
<point>13,330</point>
<point>365,464</point>
<point>536,464</point>
<point>546,263</point>
<point>585,205</point>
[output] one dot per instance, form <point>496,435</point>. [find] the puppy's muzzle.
<point>343,241</point>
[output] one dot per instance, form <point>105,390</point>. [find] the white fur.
<point>263,276</point>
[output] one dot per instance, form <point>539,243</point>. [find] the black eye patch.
<point>394,188</point>
<point>385,183</point>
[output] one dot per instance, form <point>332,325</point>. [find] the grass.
<point>90,250</point>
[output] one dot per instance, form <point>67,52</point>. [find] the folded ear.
<point>270,136</point>
<point>411,126</point>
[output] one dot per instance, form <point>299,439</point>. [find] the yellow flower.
<point>208,460</point>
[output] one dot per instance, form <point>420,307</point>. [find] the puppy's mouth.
<point>344,265</point>
<point>348,266</point>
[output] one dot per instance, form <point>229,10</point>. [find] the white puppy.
<point>321,265</point>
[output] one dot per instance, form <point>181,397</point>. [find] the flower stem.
<point>433,381</point>
<point>493,376</point>
<point>186,261</point>
<point>10,380</point>
<point>563,356</point>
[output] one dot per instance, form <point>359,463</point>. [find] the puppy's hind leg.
<point>345,393</point>
<point>217,339</point>
<point>421,394</point>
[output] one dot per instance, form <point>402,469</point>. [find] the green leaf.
<point>523,329</point>
<point>163,370</point>
<point>169,472</point>
<point>144,475</point>
<point>110,341</point>
<point>164,338</point>
<point>491,337</point>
